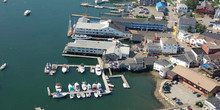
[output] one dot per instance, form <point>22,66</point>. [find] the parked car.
<point>210,25</point>
<point>198,95</point>
<point>189,45</point>
<point>194,92</point>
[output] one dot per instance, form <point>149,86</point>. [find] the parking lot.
<point>185,95</point>
<point>151,10</point>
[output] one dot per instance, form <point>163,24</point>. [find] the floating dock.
<point>111,14</point>
<point>60,65</point>
<point>123,79</point>
<point>89,5</point>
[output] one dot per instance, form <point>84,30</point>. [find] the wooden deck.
<point>86,16</point>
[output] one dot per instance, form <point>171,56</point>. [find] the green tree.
<point>189,28</point>
<point>200,28</point>
<point>192,4</point>
<point>152,17</point>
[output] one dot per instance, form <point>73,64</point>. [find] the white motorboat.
<point>83,95</point>
<point>97,6</point>
<point>78,95</point>
<point>3,66</point>
<point>27,12</point>
<point>81,68</point>
<point>84,87</point>
<point>89,87</point>
<point>111,85</point>
<point>99,93</point>
<point>59,95</point>
<point>53,69</point>
<point>70,87</point>
<point>99,1</point>
<point>105,92</point>
<point>88,94</point>
<point>76,87</point>
<point>124,85</point>
<point>98,70</point>
<point>65,68</point>
<point>47,68</point>
<point>99,86</point>
<point>94,86</point>
<point>96,95</point>
<point>81,37</point>
<point>58,87</point>
<point>72,96</point>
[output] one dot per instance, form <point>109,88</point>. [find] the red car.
<point>189,45</point>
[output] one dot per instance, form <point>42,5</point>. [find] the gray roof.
<point>137,37</point>
<point>187,57</point>
<point>155,46</point>
<point>92,44</point>
<point>187,20</point>
<point>163,62</point>
<point>171,73</point>
<point>205,4</point>
<point>168,41</point>
<point>199,51</point>
<point>149,60</point>
<point>118,27</point>
<point>214,101</point>
<point>212,35</point>
<point>153,21</point>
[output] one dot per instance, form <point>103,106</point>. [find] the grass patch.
<point>199,15</point>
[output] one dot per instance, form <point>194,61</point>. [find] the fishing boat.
<point>96,95</point>
<point>94,86</point>
<point>59,95</point>
<point>105,92</point>
<point>58,87</point>
<point>27,12</point>
<point>70,29</point>
<point>111,85</point>
<point>65,68</point>
<point>81,68</point>
<point>98,70</point>
<point>70,87</point>
<point>89,87</point>
<point>3,66</point>
<point>47,68</point>
<point>84,87</point>
<point>81,37</point>
<point>78,95</point>
<point>83,95</point>
<point>76,87</point>
<point>99,86</point>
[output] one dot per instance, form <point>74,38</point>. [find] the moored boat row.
<point>75,90</point>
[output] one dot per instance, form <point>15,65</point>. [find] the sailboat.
<point>70,29</point>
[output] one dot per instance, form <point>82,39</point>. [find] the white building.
<point>112,50</point>
<point>168,45</point>
<point>160,64</point>
<point>187,60</point>
<point>184,36</point>
<point>182,8</point>
<point>104,28</point>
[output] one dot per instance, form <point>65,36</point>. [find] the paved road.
<point>172,17</point>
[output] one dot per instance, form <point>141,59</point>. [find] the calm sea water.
<point>27,43</point>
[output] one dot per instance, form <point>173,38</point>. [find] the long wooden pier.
<point>86,16</point>
<point>105,82</point>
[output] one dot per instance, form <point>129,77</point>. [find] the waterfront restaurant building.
<point>196,81</point>
<point>110,49</point>
<point>140,24</point>
<point>103,28</point>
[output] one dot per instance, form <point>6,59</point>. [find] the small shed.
<point>161,7</point>
<point>171,75</point>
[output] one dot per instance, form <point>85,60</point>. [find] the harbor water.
<point>27,43</point>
